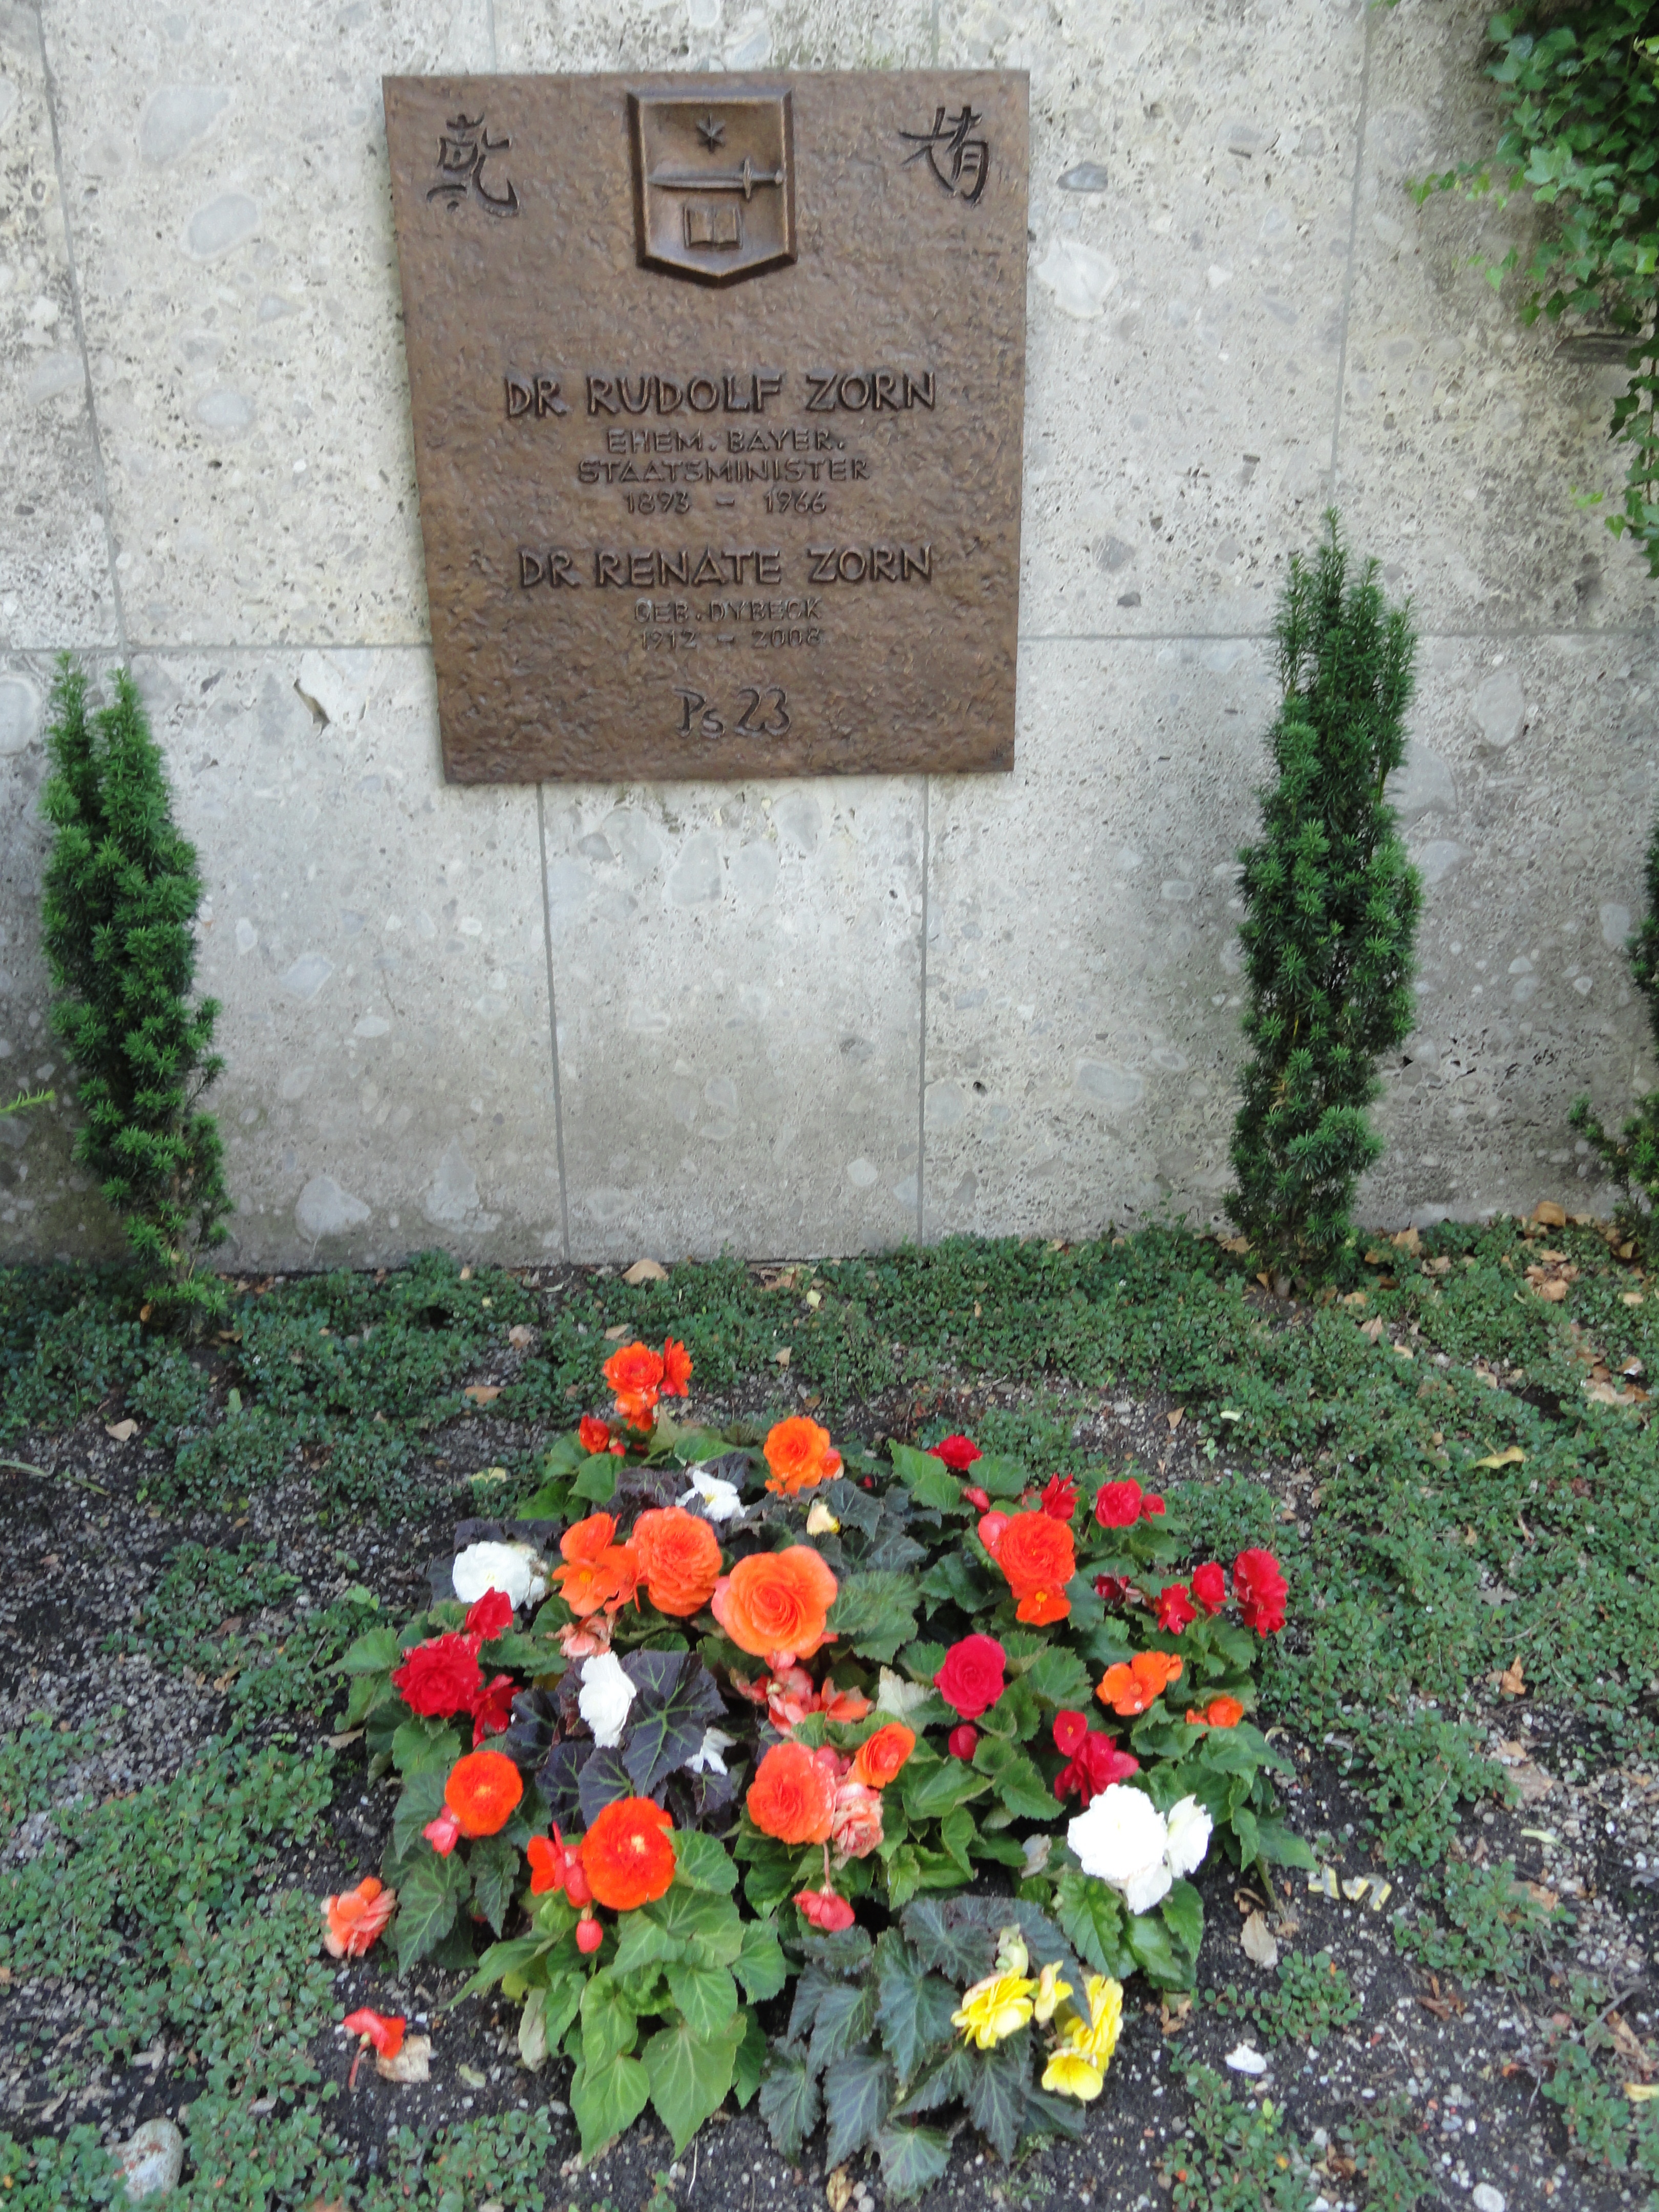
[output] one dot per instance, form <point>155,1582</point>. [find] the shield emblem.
<point>713,183</point>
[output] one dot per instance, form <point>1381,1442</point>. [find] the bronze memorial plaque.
<point>718,386</point>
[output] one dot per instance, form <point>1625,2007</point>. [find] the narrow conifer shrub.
<point>1331,908</point>
<point>120,897</point>
<point>1632,1157</point>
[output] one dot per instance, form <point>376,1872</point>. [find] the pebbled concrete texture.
<point>56,588</point>
<point>767,994</point>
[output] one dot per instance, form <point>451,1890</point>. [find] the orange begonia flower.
<point>353,1920</point>
<point>597,1572</point>
<point>1132,1689</point>
<point>676,1370</point>
<point>880,1756</point>
<point>632,1369</point>
<point>1035,1552</point>
<point>679,1557</point>
<point>627,1856</point>
<point>775,1604</point>
<point>384,2030</point>
<point>793,1795</point>
<point>483,1792</point>
<point>1219,1713</point>
<point>800,1455</point>
<point>1042,1608</point>
<point>594,1435</point>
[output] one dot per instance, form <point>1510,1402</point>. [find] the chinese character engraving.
<point>464,146</point>
<point>966,161</point>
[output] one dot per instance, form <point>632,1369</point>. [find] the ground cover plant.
<point>1451,1461</point>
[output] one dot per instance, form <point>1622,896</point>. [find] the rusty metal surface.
<point>718,387</point>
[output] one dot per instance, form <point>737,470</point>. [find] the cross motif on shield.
<point>714,184</point>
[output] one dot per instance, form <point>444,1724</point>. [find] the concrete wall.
<point>812,1017</point>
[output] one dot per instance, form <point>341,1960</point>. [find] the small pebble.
<point>152,2160</point>
<point>1243,2060</point>
<point>1486,2198</point>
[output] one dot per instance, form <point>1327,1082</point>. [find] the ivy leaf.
<point>857,2092</point>
<point>559,1779</point>
<point>1149,1943</point>
<point>421,1802</point>
<point>376,1651</point>
<point>606,2098</point>
<point>760,1965</point>
<point>678,1700</point>
<point>946,2084</point>
<point>1091,1915</point>
<point>596,1480</point>
<point>702,1862</point>
<point>951,1581</point>
<point>874,1615</point>
<point>928,1481</point>
<point>1059,1678</point>
<point>912,2158</point>
<point>691,2073</point>
<point>602,1781</point>
<point>1184,1916</point>
<point>997,2084</point>
<point>706,1997</point>
<point>1048,2114</point>
<point>998,1476</point>
<point>789,2103</point>
<point>955,1941</point>
<point>610,2026</point>
<point>846,2014</point>
<point>495,1864</point>
<point>912,2007</point>
<point>427,1903</point>
<point>929,1788</point>
<point>1280,1845</point>
<point>750,2060</point>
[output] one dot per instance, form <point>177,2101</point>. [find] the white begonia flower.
<point>898,1697</point>
<point>709,1757</point>
<point>718,1498</point>
<point>1190,1827</point>
<point>607,1695</point>
<point>1122,1840</point>
<point>514,1568</point>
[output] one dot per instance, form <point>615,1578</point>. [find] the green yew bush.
<point>1632,1157</point>
<point>1331,911</point>
<point>120,897</point>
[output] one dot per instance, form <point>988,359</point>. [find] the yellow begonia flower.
<point>1050,1990</point>
<point>1012,1957</point>
<point>994,2008</point>
<point>1096,2039</point>
<point>1068,2074</point>
<point>820,1520</point>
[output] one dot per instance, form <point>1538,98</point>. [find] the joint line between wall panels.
<point>933,33</point>
<point>1353,242</point>
<point>99,473</point>
<point>921,1038</point>
<point>553,1026</point>
<point>489,16</point>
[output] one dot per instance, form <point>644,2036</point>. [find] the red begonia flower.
<point>958,1453</point>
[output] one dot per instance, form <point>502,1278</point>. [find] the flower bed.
<point>712,1719</point>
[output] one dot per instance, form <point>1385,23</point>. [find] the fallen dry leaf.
<point>1405,1352</point>
<point>1608,1394</point>
<point>838,2188</point>
<point>520,1336</point>
<point>616,1335</point>
<point>1533,1782</point>
<point>1552,1289</point>
<point>1642,2092</point>
<point>1511,1456</point>
<point>121,1430</point>
<point>646,1271</point>
<point>483,1394</point>
<point>1172,2013</point>
<point>465,1275</point>
<point>1373,1329</point>
<point>1539,1895</point>
<point>1175,1419</point>
<point>1356,1298</point>
<point>412,2064</point>
<point>1408,1241</point>
<point>1239,1244</point>
<point>782,1357</point>
<point>339,1742</point>
<point>1512,1682</point>
<point>1548,1215</point>
<point>1261,1945</point>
